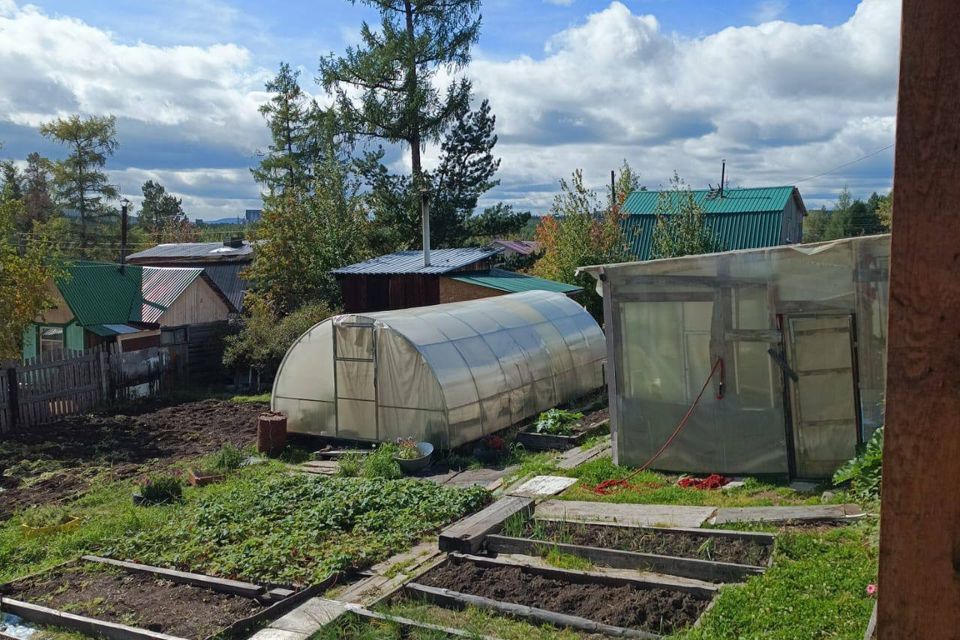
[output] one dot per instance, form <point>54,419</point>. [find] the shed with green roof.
<point>743,218</point>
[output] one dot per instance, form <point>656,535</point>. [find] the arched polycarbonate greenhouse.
<point>447,374</point>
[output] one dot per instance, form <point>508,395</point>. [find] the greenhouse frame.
<point>447,374</point>
<point>788,342</point>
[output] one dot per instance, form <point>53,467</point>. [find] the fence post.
<point>104,377</point>
<point>13,397</point>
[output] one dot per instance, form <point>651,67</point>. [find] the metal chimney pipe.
<point>425,214</point>
<point>124,204</point>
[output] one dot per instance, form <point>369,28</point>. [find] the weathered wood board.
<point>467,535</point>
<point>624,515</point>
<point>543,486</point>
<point>576,457</point>
<point>813,513</point>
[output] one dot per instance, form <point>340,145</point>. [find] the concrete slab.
<point>542,486</point>
<point>624,515</point>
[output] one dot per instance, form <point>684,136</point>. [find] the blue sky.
<point>782,89</point>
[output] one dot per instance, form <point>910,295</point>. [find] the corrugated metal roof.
<point>441,261</point>
<point>749,200</point>
<point>106,330</point>
<point>105,294</point>
<point>196,250</point>
<point>161,287</point>
<point>513,282</point>
<point>734,230</point>
<point>226,277</point>
<point>524,247</point>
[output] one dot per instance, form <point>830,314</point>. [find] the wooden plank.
<point>919,589</point>
<point>221,585</point>
<point>812,513</point>
<point>624,515</point>
<point>467,534</point>
<point>46,616</point>
<point>708,570</point>
<point>445,597</point>
<point>576,457</point>
<point>542,486</point>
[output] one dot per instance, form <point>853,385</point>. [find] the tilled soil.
<point>654,610</point>
<point>134,599</point>
<point>51,462</point>
<point>667,543</point>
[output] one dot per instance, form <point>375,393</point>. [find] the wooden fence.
<point>44,390</point>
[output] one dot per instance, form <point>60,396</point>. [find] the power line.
<point>845,164</point>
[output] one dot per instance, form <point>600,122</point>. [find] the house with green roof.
<point>97,303</point>
<point>748,218</point>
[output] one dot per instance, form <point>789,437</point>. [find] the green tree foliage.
<point>498,221</point>
<point>579,232</point>
<point>681,228</point>
<point>265,335</point>
<point>11,181</point>
<point>815,225</point>
<point>387,87</point>
<point>303,235</point>
<point>81,184</point>
<point>850,217</point>
<point>37,198</point>
<point>292,118</point>
<point>27,266</point>
<point>885,211</point>
<point>162,215</point>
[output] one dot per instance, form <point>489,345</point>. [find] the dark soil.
<point>666,543</point>
<point>136,600</point>
<point>654,610</point>
<point>56,461</point>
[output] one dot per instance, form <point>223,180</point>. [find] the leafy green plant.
<point>161,489</point>
<point>351,464</point>
<point>228,458</point>
<point>864,472</point>
<point>380,463</point>
<point>557,422</point>
<point>407,449</point>
<point>562,560</point>
<point>45,516</point>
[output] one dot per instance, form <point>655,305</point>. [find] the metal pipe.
<point>425,214</point>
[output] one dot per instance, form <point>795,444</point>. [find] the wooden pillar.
<point>919,590</point>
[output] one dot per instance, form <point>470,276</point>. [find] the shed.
<point>795,338</point>
<point>401,280</point>
<point>744,218</point>
<point>448,374</point>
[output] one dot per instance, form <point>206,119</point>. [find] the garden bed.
<point>720,546</point>
<point>592,423</point>
<point>51,462</point>
<point>86,594</point>
<point>566,598</point>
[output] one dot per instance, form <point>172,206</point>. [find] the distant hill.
<point>234,220</point>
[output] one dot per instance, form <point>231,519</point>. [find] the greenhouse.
<point>784,347</point>
<point>447,374</point>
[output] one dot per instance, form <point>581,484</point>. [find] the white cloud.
<point>769,10</point>
<point>779,101</point>
<point>560,3</point>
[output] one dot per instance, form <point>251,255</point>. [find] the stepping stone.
<point>541,486</point>
<point>624,515</point>
<point>819,513</point>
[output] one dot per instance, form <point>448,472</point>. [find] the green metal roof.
<point>741,219</point>
<point>513,282</point>
<point>102,294</point>
<point>753,200</point>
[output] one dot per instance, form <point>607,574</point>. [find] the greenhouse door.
<point>823,396</point>
<point>354,356</point>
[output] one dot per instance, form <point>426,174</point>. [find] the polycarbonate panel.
<point>448,373</point>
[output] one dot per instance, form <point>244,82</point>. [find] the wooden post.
<point>13,397</point>
<point>919,590</point>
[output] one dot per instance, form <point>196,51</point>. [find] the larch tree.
<point>37,197</point>
<point>386,88</point>
<point>81,183</point>
<point>292,118</point>
<point>162,215</point>
<point>681,228</point>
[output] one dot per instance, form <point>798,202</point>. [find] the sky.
<point>788,92</point>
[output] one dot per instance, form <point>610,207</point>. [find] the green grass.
<point>815,589</point>
<point>352,627</point>
<point>261,524</point>
<point>649,487</point>
<point>258,398</point>
<point>554,557</point>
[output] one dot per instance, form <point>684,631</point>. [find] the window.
<point>51,340</point>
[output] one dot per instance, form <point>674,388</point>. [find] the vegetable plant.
<point>407,449</point>
<point>557,422</point>
<point>380,463</point>
<point>865,470</point>
<point>228,458</point>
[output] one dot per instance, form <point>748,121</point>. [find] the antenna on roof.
<point>717,192</point>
